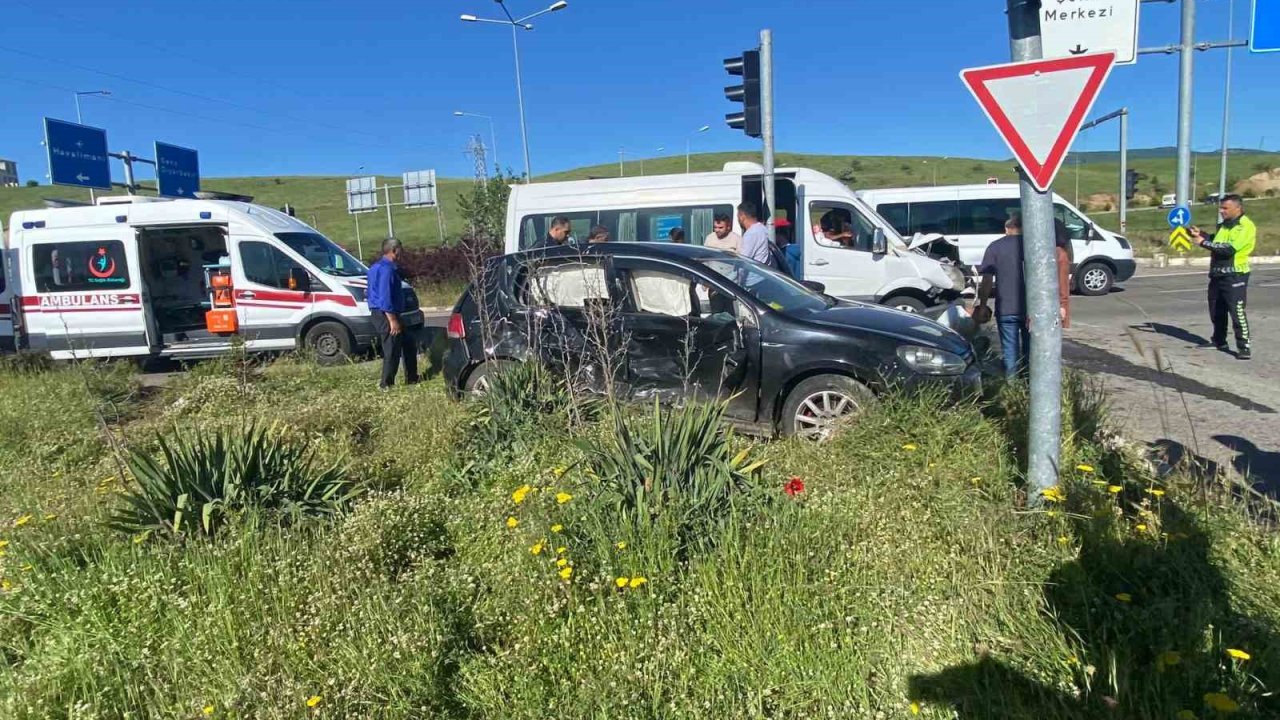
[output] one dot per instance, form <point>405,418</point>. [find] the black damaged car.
<point>676,322</point>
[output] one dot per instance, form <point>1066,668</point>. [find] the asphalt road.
<point>1185,401</point>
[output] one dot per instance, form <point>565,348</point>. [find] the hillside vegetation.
<point>529,556</point>
<point>321,200</point>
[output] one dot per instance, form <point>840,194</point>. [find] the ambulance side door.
<point>270,312</point>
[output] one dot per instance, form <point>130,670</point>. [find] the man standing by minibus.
<point>385,297</point>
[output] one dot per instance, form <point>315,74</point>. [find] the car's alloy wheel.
<point>1095,279</point>
<point>820,413</point>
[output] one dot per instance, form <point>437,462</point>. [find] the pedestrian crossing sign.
<point>1180,239</point>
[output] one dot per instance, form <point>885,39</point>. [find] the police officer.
<point>1230,248</point>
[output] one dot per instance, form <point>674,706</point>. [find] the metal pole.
<point>359,245</point>
<point>1041,273</point>
<point>766,118</point>
<point>688,145</point>
<point>524,131</point>
<point>1226,101</point>
<point>493,138</point>
<point>1186,64</point>
<point>622,172</point>
<point>1124,169</point>
<point>80,121</point>
<point>128,171</point>
<point>386,194</point>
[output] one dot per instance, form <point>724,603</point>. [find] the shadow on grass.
<point>1149,620</point>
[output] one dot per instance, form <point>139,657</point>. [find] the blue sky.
<point>325,86</point>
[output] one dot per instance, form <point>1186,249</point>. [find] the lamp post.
<point>80,121</point>
<point>521,24</point>
<point>688,145</point>
<point>493,136</point>
<point>642,161</point>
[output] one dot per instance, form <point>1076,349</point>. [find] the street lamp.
<point>688,145</point>
<point>521,24</point>
<point>642,160</point>
<point>493,136</point>
<point>80,121</point>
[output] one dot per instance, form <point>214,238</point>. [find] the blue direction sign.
<point>1265,36</point>
<point>77,154</point>
<point>1179,217</point>
<point>177,171</point>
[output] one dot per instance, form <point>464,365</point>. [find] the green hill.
<point>319,200</point>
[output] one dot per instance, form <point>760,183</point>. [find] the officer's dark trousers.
<point>1226,301</point>
<point>394,349</point>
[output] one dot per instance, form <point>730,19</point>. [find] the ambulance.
<point>180,278</point>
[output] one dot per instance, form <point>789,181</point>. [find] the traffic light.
<point>748,93</point>
<point>1130,184</point>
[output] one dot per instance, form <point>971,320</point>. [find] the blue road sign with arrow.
<point>1179,217</point>
<point>177,171</point>
<point>77,154</point>
<point>1265,36</point>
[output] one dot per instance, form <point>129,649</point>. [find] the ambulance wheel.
<point>330,341</point>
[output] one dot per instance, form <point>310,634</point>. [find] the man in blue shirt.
<point>1003,261</point>
<point>386,302</point>
<point>755,237</point>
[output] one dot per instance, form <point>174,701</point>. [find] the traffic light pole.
<point>1040,268</point>
<point>1123,114</point>
<point>766,126</point>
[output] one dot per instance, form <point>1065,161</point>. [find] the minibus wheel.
<point>330,341</point>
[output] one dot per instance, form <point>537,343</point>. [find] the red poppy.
<point>794,486</point>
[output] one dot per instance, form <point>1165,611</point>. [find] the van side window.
<point>630,224</point>
<point>986,216</point>
<point>80,266</point>
<point>861,234</point>
<point>264,264</point>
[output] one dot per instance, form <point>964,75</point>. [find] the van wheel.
<point>906,303</point>
<point>477,383</point>
<point>1094,279</point>
<point>818,405</point>
<point>330,341</point>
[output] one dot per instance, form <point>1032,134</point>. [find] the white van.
<point>974,216</point>
<point>878,266</point>
<point>131,277</point>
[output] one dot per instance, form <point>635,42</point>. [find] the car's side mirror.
<point>299,280</point>
<point>1091,234</point>
<point>815,286</point>
<point>879,243</point>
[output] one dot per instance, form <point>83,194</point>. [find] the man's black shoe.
<point>1223,348</point>
<point>1244,354</point>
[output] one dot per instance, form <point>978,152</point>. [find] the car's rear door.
<point>568,316</point>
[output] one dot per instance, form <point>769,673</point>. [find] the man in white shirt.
<point>755,237</point>
<point>722,236</point>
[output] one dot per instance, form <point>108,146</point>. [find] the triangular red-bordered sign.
<point>1039,106</point>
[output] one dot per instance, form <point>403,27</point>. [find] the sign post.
<point>1090,26</point>
<point>1266,26</point>
<point>77,155</point>
<point>177,171</point>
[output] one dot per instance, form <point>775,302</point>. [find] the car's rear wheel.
<point>818,405</point>
<point>330,341</point>
<point>478,380</point>
<point>1094,279</point>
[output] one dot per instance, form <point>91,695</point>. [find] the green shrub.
<point>388,534</point>
<point>206,478</point>
<point>26,363</point>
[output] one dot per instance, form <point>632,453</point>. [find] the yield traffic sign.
<point>1180,238</point>
<point>1038,106</point>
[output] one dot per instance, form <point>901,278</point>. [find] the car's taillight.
<point>456,330</point>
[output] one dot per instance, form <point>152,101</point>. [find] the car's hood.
<point>903,326</point>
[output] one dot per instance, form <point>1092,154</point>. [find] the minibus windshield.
<point>323,253</point>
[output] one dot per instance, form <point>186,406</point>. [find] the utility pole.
<point>622,171</point>
<point>391,228</point>
<point>1040,270</point>
<point>766,124</point>
<point>1226,100</point>
<point>1123,114</point>
<point>1186,64</point>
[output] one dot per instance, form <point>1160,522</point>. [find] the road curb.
<point>1163,262</point>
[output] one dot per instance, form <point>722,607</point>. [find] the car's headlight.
<point>931,361</point>
<point>955,276</point>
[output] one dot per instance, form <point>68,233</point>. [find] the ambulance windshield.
<point>323,253</point>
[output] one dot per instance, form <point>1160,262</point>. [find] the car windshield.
<point>767,285</point>
<point>323,253</point>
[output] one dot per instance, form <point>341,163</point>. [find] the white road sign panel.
<point>1083,27</point>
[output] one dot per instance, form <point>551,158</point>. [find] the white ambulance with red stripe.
<point>142,276</point>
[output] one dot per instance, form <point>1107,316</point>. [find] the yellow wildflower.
<point>536,548</point>
<point>518,496</point>
<point>559,470</point>
<point>622,582</point>
<point>1063,540</point>
<point>911,447</point>
<point>1155,492</point>
<point>1221,702</point>
<point>28,567</point>
<point>313,701</point>
<point>561,562</point>
<point>563,497</point>
<point>1072,659</point>
<point>621,546</point>
<point>1185,715</point>
<point>1124,597</point>
<point>1142,527</point>
<point>557,528</point>
<point>566,573</point>
<point>1113,489</point>
<point>22,521</point>
<point>637,582</point>
<point>1051,513</point>
<point>1053,494</point>
<point>562,550</point>
<point>208,710</point>
<point>1084,468</point>
<point>975,480</point>
<point>1168,658</point>
<point>915,708</point>
<point>6,585</point>
<point>49,517</point>
<point>1238,654</point>
<point>4,544</point>
<point>512,522</point>
<point>139,538</point>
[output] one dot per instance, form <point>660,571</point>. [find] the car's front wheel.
<point>818,405</point>
<point>330,341</point>
<point>906,303</point>
<point>1094,279</point>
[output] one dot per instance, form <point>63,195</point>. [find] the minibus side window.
<point>264,264</point>
<point>862,231</point>
<point>1077,228</point>
<point>986,216</point>
<point>80,266</point>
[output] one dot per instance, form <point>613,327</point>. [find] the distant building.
<point>8,173</point>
